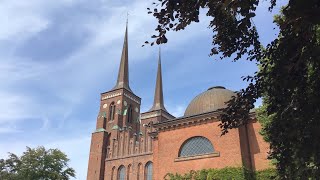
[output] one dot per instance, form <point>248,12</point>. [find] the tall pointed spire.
<point>158,102</point>
<point>123,75</point>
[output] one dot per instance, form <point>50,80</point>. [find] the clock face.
<point>118,102</point>
<point>136,109</point>
<point>105,105</point>
<point>125,103</point>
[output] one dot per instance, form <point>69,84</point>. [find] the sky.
<point>57,56</point>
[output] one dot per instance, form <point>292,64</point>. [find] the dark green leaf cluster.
<point>36,164</point>
<point>226,174</point>
<point>231,22</point>
<point>288,78</point>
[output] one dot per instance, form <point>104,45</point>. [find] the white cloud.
<point>19,26</point>
<point>177,110</point>
<point>49,92</point>
<point>15,69</point>
<point>15,107</point>
<point>24,19</point>
<point>9,130</point>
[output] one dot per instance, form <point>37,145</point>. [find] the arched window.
<point>196,146</point>
<point>112,172</point>
<point>112,109</point>
<point>129,116</point>
<point>139,171</point>
<point>122,173</point>
<point>129,172</point>
<point>148,171</point>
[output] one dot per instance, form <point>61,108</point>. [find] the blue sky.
<point>57,56</point>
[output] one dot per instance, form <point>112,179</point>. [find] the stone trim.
<point>151,114</point>
<point>203,156</point>
<point>184,124</point>
<point>132,98</point>
<point>153,134</point>
<point>99,130</point>
<point>111,96</point>
<point>124,157</point>
<point>191,121</point>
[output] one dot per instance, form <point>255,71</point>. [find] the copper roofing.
<point>158,102</point>
<point>123,75</point>
<point>211,100</point>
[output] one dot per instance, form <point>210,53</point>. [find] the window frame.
<point>129,114</point>
<point>146,168</point>
<point>122,167</point>
<point>214,153</point>
<point>112,110</point>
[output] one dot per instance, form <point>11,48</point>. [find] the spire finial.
<point>123,75</point>
<point>127,17</point>
<point>159,53</point>
<point>158,102</point>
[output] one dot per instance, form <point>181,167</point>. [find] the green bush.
<point>267,174</point>
<point>228,173</point>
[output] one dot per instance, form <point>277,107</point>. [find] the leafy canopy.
<point>288,78</point>
<point>36,164</point>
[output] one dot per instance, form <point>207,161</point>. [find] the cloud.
<point>15,69</point>
<point>57,56</point>
<point>177,110</point>
<point>19,27</point>
<point>9,130</point>
<point>24,19</point>
<point>14,107</point>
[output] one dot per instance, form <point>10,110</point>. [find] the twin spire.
<point>123,76</point>
<point>158,102</point>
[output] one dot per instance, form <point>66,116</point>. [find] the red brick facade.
<point>126,141</point>
<point>243,146</point>
<point>230,149</point>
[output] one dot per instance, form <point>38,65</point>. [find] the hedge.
<point>228,173</point>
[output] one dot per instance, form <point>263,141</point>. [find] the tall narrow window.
<point>129,172</point>
<point>129,115</point>
<point>148,171</point>
<point>112,110</point>
<point>122,173</point>
<point>112,172</point>
<point>139,171</point>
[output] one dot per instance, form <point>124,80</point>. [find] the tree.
<point>288,80</point>
<point>36,164</point>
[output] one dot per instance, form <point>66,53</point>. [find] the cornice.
<point>122,90</point>
<point>156,113</point>
<point>112,94</point>
<point>128,156</point>
<point>193,120</point>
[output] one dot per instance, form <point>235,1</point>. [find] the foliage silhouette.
<point>288,78</point>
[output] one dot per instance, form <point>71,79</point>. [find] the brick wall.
<point>169,143</point>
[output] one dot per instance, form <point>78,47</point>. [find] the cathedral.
<point>131,145</point>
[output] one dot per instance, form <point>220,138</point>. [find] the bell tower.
<point>119,110</point>
<point>158,112</point>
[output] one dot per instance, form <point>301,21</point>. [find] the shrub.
<point>228,173</point>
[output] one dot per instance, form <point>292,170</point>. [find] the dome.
<point>211,100</point>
